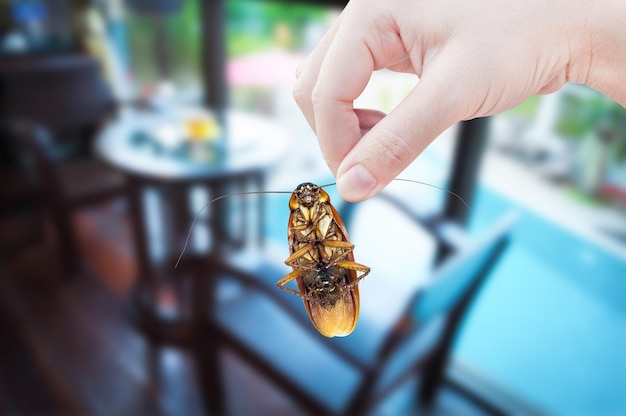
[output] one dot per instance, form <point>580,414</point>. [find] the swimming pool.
<point>550,324</point>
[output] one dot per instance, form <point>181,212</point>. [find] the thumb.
<point>396,140</point>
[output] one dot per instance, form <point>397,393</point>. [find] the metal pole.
<point>471,142</point>
<point>214,56</point>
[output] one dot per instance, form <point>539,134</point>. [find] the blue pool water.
<point>550,325</point>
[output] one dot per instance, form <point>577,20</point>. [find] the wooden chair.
<point>65,188</point>
<point>51,107</point>
<point>353,375</point>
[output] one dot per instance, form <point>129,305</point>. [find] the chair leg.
<point>209,372</point>
<point>433,373</point>
<point>435,368</point>
<point>68,246</point>
<point>205,343</point>
<point>431,380</point>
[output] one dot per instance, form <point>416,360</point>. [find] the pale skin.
<point>473,58</point>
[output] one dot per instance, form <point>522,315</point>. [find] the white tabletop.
<point>152,145</point>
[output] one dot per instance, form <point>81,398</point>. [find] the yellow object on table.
<point>202,125</point>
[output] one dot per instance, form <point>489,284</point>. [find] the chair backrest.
<point>59,91</point>
<point>460,275</point>
<point>67,94</point>
<point>438,310</point>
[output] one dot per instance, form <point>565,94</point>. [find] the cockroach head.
<point>307,193</point>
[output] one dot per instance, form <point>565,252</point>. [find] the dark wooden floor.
<point>67,345</point>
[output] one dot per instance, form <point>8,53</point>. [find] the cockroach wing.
<point>338,320</point>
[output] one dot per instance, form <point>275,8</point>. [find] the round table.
<point>166,174</point>
<point>135,144</point>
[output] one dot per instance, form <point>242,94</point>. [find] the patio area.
<point>545,335</point>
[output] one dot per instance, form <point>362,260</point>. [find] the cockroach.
<point>321,257</point>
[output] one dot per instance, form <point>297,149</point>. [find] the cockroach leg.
<point>288,278</point>
<point>310,249</point>
<point>350,265</point>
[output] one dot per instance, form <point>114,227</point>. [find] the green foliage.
<point>250,27</point>
<point>526,110</point>
<point>185,33</point>
<point>579,114</point>
<point>184,43</point>
<point>252,24</point>
<point>584,112</point>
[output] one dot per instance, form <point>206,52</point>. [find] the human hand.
<point>473,58</point>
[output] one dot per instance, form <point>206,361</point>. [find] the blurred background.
<point>121,119</point>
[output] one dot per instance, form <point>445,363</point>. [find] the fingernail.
<point>356,184</point>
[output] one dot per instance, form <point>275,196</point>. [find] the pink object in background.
<point>271,68</point>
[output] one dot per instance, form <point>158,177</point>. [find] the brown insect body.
<point>322,259</point>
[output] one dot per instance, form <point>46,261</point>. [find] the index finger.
<point>344,73</point>
<point>308,72</point>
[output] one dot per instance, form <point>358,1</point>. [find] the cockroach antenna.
<point>420,183</point>
<point>437,187</point>
<point>205,206</point>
